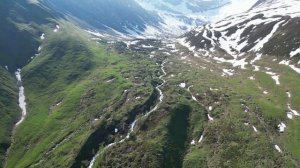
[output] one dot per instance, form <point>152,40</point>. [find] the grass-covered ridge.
<point>73,87</point>
<point>9,110</point>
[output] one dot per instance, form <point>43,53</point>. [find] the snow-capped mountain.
<point>112,16</point>
<point>179,16</point>
<point>140,17</point>
<point>270,27</point>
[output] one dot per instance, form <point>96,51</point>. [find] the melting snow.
<point>293,111</point>
<point>42,36</point>
<point>288,94</point>
<point>56,28</point>
<point>201,138</point>
<point>211,89</point>
<point>254,128</point>
<point>262,42</point>
<point>182,85</point>
<point>256,68</point>
<point>289,115</point>
<point>183,42</point>
<point>293,53</point>
<point>258,57</point>
<point>210,118</point>
<point>278,149</point>
<point>229,72</point>
<point>275,77</point>
<point>40,48</point>
<point>286,62</point>
<point>281,127</point>
<point>110,80</point>
<point>147,46</point>
<point>252,78</point>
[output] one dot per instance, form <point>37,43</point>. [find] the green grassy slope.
<point>67,88</point>
<point>165,137</point>
<point>9,110</point>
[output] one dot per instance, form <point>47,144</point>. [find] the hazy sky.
<point>236,6</point>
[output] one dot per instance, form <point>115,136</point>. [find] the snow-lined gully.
<point>133,124</point>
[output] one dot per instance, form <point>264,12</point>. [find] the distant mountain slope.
<point>270,27</point>
<point>20,29</point>
<point>118,15</point>
<point>179,16</point>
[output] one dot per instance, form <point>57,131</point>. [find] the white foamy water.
<point>22,102</point>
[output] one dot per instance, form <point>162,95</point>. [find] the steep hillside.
<point>222,95</point>
<point>75,88</point>
<point>8,111</point>
<point>20,31</point>
<point>110,16</point>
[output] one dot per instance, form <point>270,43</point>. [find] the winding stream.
<point>133,124</point>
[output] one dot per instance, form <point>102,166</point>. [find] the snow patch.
<point>254,128</point>
<point>287,62</point>
<point>210,118</point>
<point>293,53</point>
<point>228,72</point>
<point>182,85</point>
<point>288,94</point>
<point>266,39</point>
<point>201,138</point>
<point>290,115</point>
<point>278,148</point>
<point>293,111</point>
<point>275,77</point>
<point>281,127</point>
<point>252,78</point>
<point>42,36</point>
<point>56,28</point>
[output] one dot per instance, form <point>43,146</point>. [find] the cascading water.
<point>22,102</point>
<point>133,124</point>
